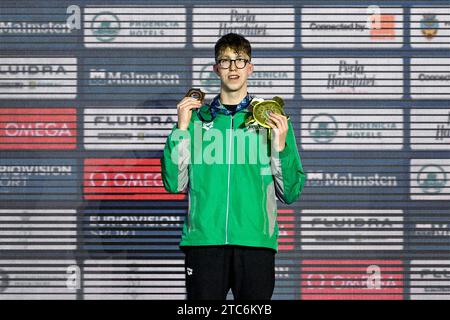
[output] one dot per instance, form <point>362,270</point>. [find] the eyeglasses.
<point>226,63</point>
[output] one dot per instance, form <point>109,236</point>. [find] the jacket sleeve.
<point>175,160</point>
<point>287,170</point>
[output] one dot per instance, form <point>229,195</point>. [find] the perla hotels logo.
<point>209,81</point>
<point>431,179</point>
<point>429,25</point>
<point>105,26</point>
<point>323,128</point>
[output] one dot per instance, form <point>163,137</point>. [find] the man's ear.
<point>250,69</point>
<point>216,70</point>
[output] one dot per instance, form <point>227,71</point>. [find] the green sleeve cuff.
<point>285,152</point>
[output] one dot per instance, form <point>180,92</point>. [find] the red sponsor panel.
<point>382,27</point>
<point>125,179</point>
<point>352,280</point>
<point>286,235</point>
<point>36,128</point>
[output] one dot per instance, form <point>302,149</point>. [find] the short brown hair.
<point>233,41</point>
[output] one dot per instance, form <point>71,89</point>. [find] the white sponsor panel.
<point>430,78</point>
<point>352,230</point>
<point>430,280</point>
<point>38,78</point>
<point>127,129</point>
<point>356,27</point>
<point>348,129</point>
<point>430,27</point>
<point>135,27</point>
<point>352,78</point>
<point>39,279</point>
<point>430,179</point>
<point>271,77</point>
<point>263,27</point>
<point>34,229</point>
<point>134,279</point>
<point>430,129</point>
<point>41,28</point>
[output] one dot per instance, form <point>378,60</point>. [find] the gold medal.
<point>260,110</point>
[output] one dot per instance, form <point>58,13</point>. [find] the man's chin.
<point>234,88</point>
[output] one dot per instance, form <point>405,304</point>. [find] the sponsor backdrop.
<point>88,94</point>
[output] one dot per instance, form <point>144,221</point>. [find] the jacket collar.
<point>217,106</point>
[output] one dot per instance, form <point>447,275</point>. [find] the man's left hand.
<point>279,125</point>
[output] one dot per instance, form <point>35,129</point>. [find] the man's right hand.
<point>184,108</point>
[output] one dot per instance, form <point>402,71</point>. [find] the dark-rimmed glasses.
<point>226,63</point>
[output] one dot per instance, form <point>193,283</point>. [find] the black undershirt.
<point>231,107</point>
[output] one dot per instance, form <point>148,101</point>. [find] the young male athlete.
<point>230,234</point>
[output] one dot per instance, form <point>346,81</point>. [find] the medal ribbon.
<point>217,107</point>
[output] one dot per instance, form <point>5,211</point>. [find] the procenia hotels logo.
<point>323,128</point>
<point>431,178</point>
<point>105,26</point>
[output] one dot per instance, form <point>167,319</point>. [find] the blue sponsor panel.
<point>352,180</point>
<point>132,231</point>
<point>39,179</point>
<point>429,230</point>
<point>39,28</point>
<point>135,79</point>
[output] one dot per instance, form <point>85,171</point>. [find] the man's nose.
<point>233,65</point>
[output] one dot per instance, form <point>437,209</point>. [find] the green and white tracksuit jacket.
<point>232,197</point>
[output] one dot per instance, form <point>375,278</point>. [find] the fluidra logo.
<point>44,69</point>
<point>432,179</point>
<point>133,120</point>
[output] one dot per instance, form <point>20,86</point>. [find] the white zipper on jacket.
<point>228,186</point>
